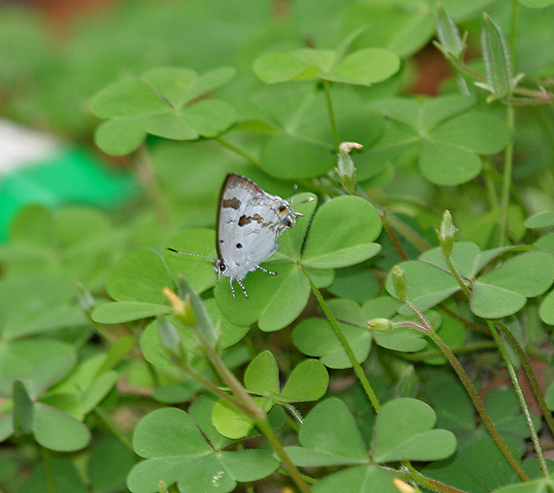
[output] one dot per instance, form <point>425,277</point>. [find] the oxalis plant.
<point>370,362</point>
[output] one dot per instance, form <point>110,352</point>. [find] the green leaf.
<point>199,272</point>
<point>504,291</point>
<point>233,422</point>
<point>62,477</point>
<point>98,391</point>
<point>23,417</point>
<point>140,275</point>
<point>404,431</point>
<point>341,234</point>
<point>329,436</point>
<point>169,125</point>
<point>290,157</point>
<point>127,97</point>
<point>360,479</point>
<point>209,118</point>
<point>537,4</point>
<point>267,295</point>
<point>273,68</point>
<point>541,220</point>
<point>481,133</point>
<point>365,67</point>
<point>427,285</point>
<point>59,431</point>
<point>446,164</point>
<point>316,337</point>
<point>171,82</point>
<point>262,375</point>
<point>110,462</point>
<point>125,311</point>
<point>307,382</point>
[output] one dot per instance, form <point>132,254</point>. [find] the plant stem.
<point>428,329</point>
<point>413,475</point>
<point>327,89</point>
<point>148,179</point>
<point>243,399</point>
<point>114,430</point>
<point>547,414</point>
<point>456,274</point>
<point>48,474</point>
<point>238,150</point>
<point>521,398</point>
<point>266,429</point>
<point>345,344</point>
<point>508,169</point>
<point>394,238</point>
<point>456,350</point>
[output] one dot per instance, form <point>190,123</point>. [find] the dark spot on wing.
<point>239,245</point>
<point>244,220</point>
<point>233,203</point>
<point>282,208</point>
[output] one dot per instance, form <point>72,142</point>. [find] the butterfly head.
<point>287,215</point>
<point>220,267</point>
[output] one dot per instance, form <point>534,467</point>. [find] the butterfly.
<point>249,221</point>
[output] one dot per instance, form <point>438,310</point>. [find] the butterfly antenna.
<point>266,271</point>
<point>193,254</point>
<point>242,286</point>
<point>232,287</point>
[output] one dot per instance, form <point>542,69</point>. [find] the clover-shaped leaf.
<point>504,291</point>
<point>361,479</point>
<point>329,436</point>
<point>363,67</point>
<point>176,452</point>
<point>342,234</point>
<point>404,431</point>
<point>136,283</point>
<point>307,382</point>
<point>160,103</point>
<point>447,140</point>
<point>316,337</point>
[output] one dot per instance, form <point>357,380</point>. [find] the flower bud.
<point>380,324</point>
<point>448,34</point>
<point>399,282</point>
<point>446,234</point>
<point>498,64</point>
<point>345,166</point>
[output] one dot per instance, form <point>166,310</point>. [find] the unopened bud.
<point>403,487</point>
<point>448,34</point>
<point>380,324</point>
<point>498,64</point>
<point>345,166</point>
<point>399,282</point>
<point>183,310</point>
<point>446,234</point>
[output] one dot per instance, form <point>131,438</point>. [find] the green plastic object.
<point>70,175</point>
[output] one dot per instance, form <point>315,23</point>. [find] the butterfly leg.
<point>232,287</point>
<point>266,271</point>
<point>242,286</point>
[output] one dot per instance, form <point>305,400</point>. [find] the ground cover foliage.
<point>405,342</point>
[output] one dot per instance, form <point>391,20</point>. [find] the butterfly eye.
<point>222,267</point>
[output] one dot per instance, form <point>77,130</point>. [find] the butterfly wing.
<point>249,223</point>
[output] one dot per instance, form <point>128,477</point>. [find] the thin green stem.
<point>327,88</point>
<point>466,382</point>
<point>521,398</point>
<point>238,150</point>
<point>467,348</point>
<point>266,429</point>
<point>48,473</point>
<point>114,430</point>
<point>307,478</point>
<point>457,276</point>
<point>411,474</point>
<point>243,398</point>
<point>507,179</point>
<point>526,364</point>
<point>345,344</point>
